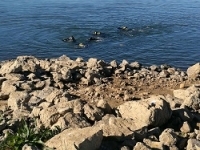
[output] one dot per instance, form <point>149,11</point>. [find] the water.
<point>162,31</point>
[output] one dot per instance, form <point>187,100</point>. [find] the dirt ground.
<point>120,89</point>
<point>117,90</point>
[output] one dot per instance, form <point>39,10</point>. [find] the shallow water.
<point>160,31</point>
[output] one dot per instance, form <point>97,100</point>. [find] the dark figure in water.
<point>123,28</point>
<point>95,39</point>
<point>70,39</point>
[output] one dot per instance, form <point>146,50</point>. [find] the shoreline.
<point>108,99</point>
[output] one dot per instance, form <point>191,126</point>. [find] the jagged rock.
<point>193,144</point>
<point>135,65</point>
<point>168,137</point>
<point>186,128</point>
<point>35,112</point>
<point>88,138</point>
<point>8,86</point>
<point>121,128</point>
<point>193,72</point>
<point>18,100</point>
<point>191,96</point>
<point>92,112</point>
<point>14,76</point>
<point>71,120</point>
<point>104,106</point>
<point>141,146</point>
<point>50,115</point>
<point>57,96</point>
<point>22,63</point>
<point>157,110</point>
<point>92,62</point>
<point>44,93</point>
<point>173,101</point>
<point>114,64</point>
<point>153,144</point>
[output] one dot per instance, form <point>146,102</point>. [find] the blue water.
<point>161,31</point>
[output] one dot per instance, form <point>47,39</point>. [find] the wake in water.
<point>99,36</point>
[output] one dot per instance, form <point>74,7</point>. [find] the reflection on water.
<point>157,31</point>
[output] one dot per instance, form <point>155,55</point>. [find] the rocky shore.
<point>102,106</point>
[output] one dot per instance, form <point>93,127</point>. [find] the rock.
<point>168,137</point>
<point>193,72</point>
<point>173,101</point>
<point>92,112</point>
<point>153,144</point>
<point>57,96</point>
<point>141,146</point>
<point>125,148</point>
<point>164,74</point>
<point>50,115</point>
<point>21,64</point>
<point>71,120</point>
<point>135,65</point>
<point>157,110</point>
<point>88,138</point>
<point>104,106</point>
<point>35,112</point>
<point>121,129</point>
<point>8,86</point>
<point>186,128</point>
<point>191,96</point>
<point>92,62</point>
<point>44,93</point>
<point>114,64</point>
<point>14,76</point>
<point>193,144</point>
<point>18,100</point>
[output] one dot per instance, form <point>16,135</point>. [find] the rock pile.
<point>105,106</point>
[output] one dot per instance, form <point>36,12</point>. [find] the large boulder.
<point>168,137</point>
<point>153,111</point>
<point>88,138</point>
<point>194,71</point>
<point>190,96</point>
<point>22,63</point>
<point>18,100</point>
<point>193,144</point>
<point>50,115</point>
<point>120,128</point>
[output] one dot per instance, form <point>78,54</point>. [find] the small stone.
<point>186,128</point>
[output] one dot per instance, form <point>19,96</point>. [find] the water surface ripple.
<point>160,31</point>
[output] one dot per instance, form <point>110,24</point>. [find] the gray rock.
<point>88,138</point>
<point>121,129</point>
<point>18,100</point>
<point>193,72</point>
<point>157,110</point>
<point>193,144</point>
<point>168,137</point>
<point>186,128</point>
<point>191,96</point>
<point>93,113</point>
<point>141,146</point>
